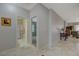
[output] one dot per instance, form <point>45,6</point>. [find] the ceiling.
<point>68,11</point>
<point>27,6</point>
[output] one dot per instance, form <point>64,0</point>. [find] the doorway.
<point>34,30</point>
<point>21,32</point>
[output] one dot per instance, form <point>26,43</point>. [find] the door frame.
<point>37,31</point>
<point>17,37</point>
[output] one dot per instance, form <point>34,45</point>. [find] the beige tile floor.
<point>62,48</point>
<point>65,48</point>
<point>20,52</point>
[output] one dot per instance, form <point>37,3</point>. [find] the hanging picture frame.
<point>5,21</point>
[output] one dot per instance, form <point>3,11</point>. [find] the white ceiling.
<point>68,11</point>
<point>27,6</point>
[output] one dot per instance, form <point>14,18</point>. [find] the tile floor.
<point>65,48</point>
<point>62,48</point>
<point>20,52</point>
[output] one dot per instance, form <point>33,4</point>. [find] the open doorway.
<point>21,32</point>
<point>34,31</point>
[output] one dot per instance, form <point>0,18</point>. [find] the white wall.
<point>8,34</point>
<point>55,23</point>
<point>42,14</point>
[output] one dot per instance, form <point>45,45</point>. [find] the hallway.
<point>62,48</point>
<point>41,26</point>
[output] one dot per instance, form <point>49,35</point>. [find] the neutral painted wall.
<point>55,23</point>
<point>42,14</point>
<point>8,34</point>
